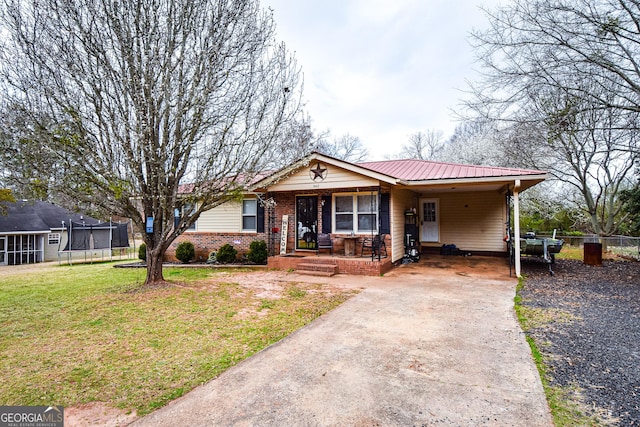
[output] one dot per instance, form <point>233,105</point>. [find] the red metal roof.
<point>420,170</point>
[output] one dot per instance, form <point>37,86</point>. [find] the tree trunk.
<point>154,267</point>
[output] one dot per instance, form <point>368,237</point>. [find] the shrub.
<point>142,252</point>
<point>258,252</point>
<point>212,258</point>
<point>226,254</point>
<point>185,252</point>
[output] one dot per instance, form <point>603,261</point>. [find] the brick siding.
<point>355,266</point>
<point>206,243</point>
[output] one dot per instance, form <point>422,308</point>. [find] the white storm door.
<point>429,220</point>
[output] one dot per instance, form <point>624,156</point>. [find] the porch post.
<point>516,226</point>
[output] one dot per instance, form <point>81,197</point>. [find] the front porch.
<point>326,265</point>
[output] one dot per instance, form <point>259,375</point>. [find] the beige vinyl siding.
<point>401,200</point>
<point>335,178</point>
<point>51,251</point>
<point>226,218</point>
<point>472,221</point>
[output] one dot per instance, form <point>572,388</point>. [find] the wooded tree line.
<point>116,106</point>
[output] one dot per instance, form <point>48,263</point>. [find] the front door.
<point>307,222</point>
<point>429,220</point>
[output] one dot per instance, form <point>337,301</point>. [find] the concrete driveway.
<point>430,344</point>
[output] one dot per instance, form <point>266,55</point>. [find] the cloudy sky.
<point>381,70</point>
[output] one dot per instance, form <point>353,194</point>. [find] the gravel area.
<point>593,332</point>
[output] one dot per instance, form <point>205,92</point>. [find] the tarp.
<point>104,235</point>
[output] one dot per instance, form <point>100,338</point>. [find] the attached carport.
<point>472,207</point>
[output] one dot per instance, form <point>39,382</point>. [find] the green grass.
<point>73,335</point>
<point>611,253</point>
<point>571,252</point>
<point>564,402</point>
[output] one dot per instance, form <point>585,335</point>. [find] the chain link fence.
<point>625,246</point>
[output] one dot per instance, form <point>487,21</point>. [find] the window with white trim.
<point>356,212</point>
<point>53,239</point>
<point>250,215</point>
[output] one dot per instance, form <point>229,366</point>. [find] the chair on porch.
<point>325,242</point>
<point>375,244</point>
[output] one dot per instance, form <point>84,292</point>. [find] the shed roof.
<point>37,216</point>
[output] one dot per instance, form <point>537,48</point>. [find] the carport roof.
<point>424,170</point>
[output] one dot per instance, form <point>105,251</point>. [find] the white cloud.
<point>379,69</point>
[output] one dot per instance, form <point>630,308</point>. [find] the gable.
<point>321,175</point>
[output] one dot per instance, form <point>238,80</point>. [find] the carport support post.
<point>516,226</point>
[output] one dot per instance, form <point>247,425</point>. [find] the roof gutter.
<point>484,180</point>
<point>19,232</point>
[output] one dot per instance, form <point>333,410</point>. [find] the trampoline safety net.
<point>104,235</point>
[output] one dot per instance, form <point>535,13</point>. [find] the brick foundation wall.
<point>208,242</point>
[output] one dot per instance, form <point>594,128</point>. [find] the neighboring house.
<point>33,232</point>
<point>418,203</point>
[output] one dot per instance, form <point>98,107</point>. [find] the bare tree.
<point>346,147</point>
<point>300,139</point>
<point>588,149</point>
<point>159,104</point>
<point>422,145</point>
<point>562,80</point>
<point>28,167</point>
<point>476,143</point>
<point>533,45</point>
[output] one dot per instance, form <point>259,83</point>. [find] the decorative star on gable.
<point>318,172</point>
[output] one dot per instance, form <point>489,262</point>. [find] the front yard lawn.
<point>77,334</point>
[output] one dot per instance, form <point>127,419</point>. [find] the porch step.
<point>317,269</point>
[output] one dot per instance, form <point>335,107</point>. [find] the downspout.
<point>516,225</point>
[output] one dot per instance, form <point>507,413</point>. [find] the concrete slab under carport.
<point>423,345</point>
